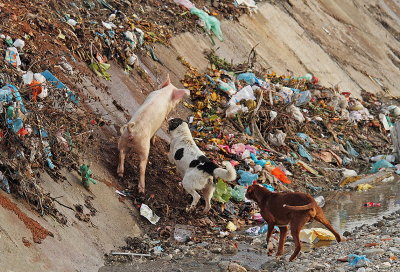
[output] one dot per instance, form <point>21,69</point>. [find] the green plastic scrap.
<point>238,193</point>
<point>211,22</point>
<point>86,175</point>
<point>101,69</point>
<point>222,192</point>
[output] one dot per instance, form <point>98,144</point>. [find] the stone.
<point>395,250</point>
<point>216,250</point>
<point>346,233</point>
<point>319,266</point>
<point>374,251</point>
<point>361,269</point>
<point>224,265</point>
<point>234,267</point>
<point>168,257</point>
<point>256,242</point>
<point>385,265</point>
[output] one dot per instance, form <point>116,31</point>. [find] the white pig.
<point>145,122</point>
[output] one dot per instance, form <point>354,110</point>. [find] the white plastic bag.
<point>186,3</point>
<point>277,139</point>
<point>296,113</point>
<point>246,93</point>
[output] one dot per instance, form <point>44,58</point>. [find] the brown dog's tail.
<point>299,208</point>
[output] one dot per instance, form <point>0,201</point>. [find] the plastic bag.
<point>269,187</point>
<point>303,98</point>
<point>279,174</point>
<point>238,193</point>
<point>211,23</point>
<point>249,78</point>
<point>222,192</point>
<point>228,88</point>
<point>246,178</point>
<point>277,139</point>
<point>235,109</point>
<point>12,57</point>
<point>354,259</point>
<point>245,93</point>
<point>351,150</point>
<point>304,153</point>
<point>257,161</point>
<point>248,3</point>
<point>296,113</point>
<point>186,3</point>
<point>349,173</point>
<point>286,94</point>
<point>389,158</point>
<point>4,183</point>
<point>148,214</point>
<point>101,69</point>
<point>320,201</point>
<point>381,164</point>
<point>182,233</point>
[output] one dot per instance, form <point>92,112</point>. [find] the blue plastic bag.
<point>304,153</point>
<point>262,163</point>
<point>269,187</point>
<point>303,98</point>
<point>381,164</point>
<point>306,138</point>
<point>246,178</point>
<point>353,259</point>
<point>249,78</point>
<point>351,150</point>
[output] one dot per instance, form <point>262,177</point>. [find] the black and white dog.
<point>197,170</point>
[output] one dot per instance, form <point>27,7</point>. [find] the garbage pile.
<point>43,127</point>
<point>287,132</point>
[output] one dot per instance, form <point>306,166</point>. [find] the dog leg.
<point>144,157</point>
<point>208,193</point>
<point>282,239</point>
<point>196,198</point>
<point>320,217</point>
<point>295,226</point>
<point>271,227</point>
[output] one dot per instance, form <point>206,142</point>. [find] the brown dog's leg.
<point>320,217</point>
<point>282,239</point>
<point>271,227</point>
<point>144,157</point>
<point>296,225</point>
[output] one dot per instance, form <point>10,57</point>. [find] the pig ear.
<point>177,94</point>
<point>166,82</point>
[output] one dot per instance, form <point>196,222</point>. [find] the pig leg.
<point>122,153</point>
<point>153,140</point>
<point>144,157</point>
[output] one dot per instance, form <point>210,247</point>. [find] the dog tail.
<point>299,208</point>
<point>228,174</point>
<point>129,126</point>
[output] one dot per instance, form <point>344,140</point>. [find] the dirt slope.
<point>344,43</point>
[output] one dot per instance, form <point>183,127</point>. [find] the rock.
<point>380,224</point>
<point>346,233</point>
<point>234,267</point>
<point>216,249</point>
<point>361,269</point>
<point>230,249</point>
<point>168,257</point>
<point>340,269</point>
<point>256,242</point>
<point>385,265</point>
<point>224,265</point>
<point>319,266</point>
<point>374,251</point>
<point>395,250</point>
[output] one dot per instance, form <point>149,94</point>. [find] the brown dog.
<point>282,209</point>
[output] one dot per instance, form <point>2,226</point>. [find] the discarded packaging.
<point>311,235</point>
<point>182,233</point>
<point>148,214</point>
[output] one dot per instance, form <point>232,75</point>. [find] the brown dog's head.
<point>250,194</point>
